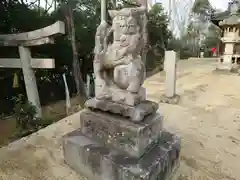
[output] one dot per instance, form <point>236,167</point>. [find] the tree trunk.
<point>114,4</point>
<point>39,3</point>
<point>46,4</point>
<point>80,86</point>
<point>55,5</point>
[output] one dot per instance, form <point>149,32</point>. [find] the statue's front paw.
<point>104,96</point>
<point>133,88</point>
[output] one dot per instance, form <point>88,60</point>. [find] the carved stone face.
<point>125,21</point>
<point>129,25</point>
<point>117,28</point>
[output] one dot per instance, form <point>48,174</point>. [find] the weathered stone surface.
<point>115,131</point>
<point>36,63</point>
<point>131,99</point>
<point>170,66</point>
<point>135,113</point>
<point>52,30</point>
<point>95,161</point>
<point>119,65</point>
<point>170,100</point>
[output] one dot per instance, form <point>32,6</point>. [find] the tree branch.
<point>32,3</point>
<point>113,3</point>
<point>22,1</point>
<point>50,6</point>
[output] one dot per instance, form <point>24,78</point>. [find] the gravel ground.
<point>207,119</point>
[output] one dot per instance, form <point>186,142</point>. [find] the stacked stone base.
<point>112,147</point>
<point>224,68</point>
<point>232,68</point>
<point>117,132</point>
<point>98,162</point>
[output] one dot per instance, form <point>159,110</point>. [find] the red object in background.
<point>214,50</point>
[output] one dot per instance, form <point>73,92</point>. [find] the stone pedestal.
<point>225,63</point>
<point>110,146</point>
<point>117,132</point>
<point>134,113</point>
<point>97,161</point>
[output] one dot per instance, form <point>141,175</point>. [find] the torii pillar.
<point>103,11</point>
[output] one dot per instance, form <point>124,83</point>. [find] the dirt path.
<point>207,119</point>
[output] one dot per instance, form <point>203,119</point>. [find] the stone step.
<point>96,161</point>
<point>117,132</point>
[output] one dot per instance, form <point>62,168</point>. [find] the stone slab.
<point>135,113</point>
<point>95,161</point>
<point>170,64</point>
<point>170,100</point>
<point>117,132</point>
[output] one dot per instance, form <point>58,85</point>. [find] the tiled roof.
<point>231,20</point>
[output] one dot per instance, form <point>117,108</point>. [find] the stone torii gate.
<point>24,41</point>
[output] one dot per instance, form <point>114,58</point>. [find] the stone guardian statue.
<point>118,66</point>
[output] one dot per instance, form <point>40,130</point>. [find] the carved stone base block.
<point>115,131</point>
<point>96,161</point>
<point>222,72</point>
<point>225,71</point>
<point>170,100</point>
<point>135,113</point>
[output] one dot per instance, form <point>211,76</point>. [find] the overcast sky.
<point>180,7</point>
<point>219,4</point>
